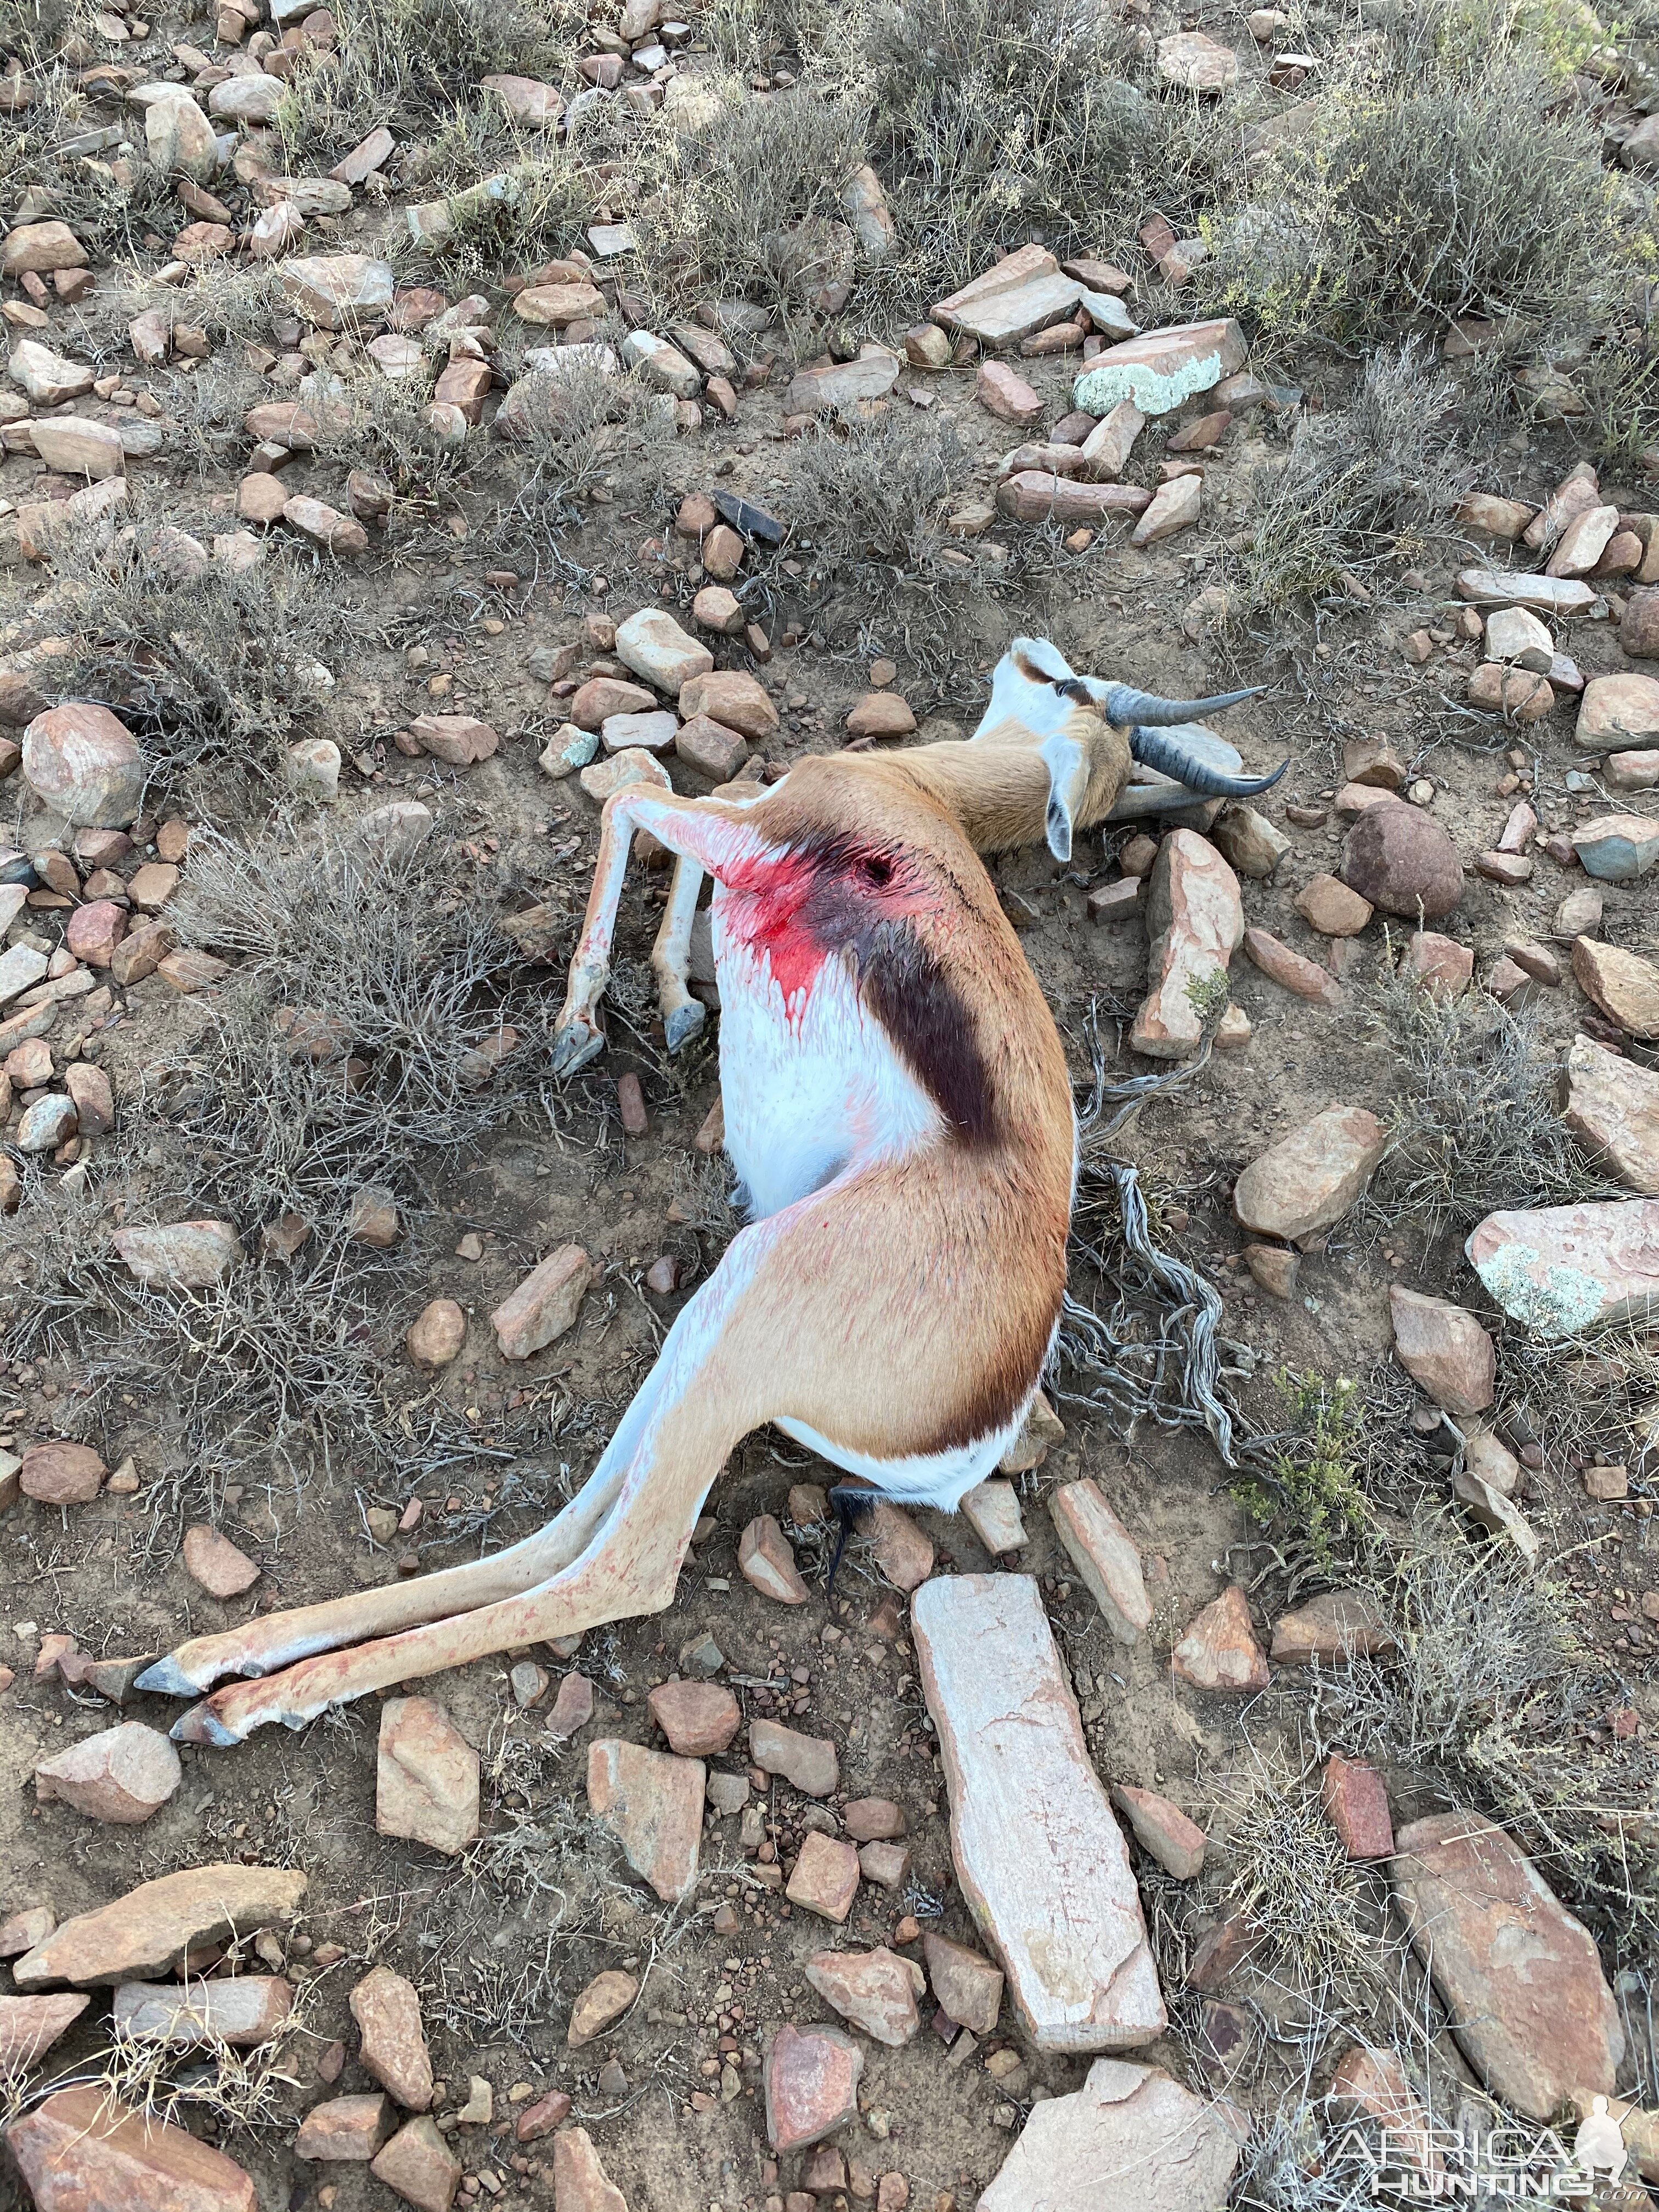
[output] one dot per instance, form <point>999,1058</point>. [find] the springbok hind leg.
<point>649,1487</point>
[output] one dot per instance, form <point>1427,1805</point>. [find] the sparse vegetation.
<point>1309,1493</point>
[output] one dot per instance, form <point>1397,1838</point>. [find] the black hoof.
<point>851,1505</point>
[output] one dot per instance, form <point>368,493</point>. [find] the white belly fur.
<point>811,1090</point>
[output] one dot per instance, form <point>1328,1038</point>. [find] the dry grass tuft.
<point>877,492</point>
<point>1361,487</point>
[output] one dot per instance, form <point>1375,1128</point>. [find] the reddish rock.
<point>1400,858</point>
<point>1105,1555</point>
<point>544,1305</point>
<point>1621,983</point>
<point>1356,1804</point>
<point>580,2183</point>
<point>872,1819</point>
<point>652,1803</point>
<point>425,1777</point>
<point>876,1990</point>
<point>352,2128</point>
<point>1162,1830</point>
<point>1440,965</point>
<point>880,714</point>
<point>123,1774</point>
<point>1195,919</point>
<point>457,740</point>
<point>1332,908</point>
<point>29,2028</point>
<point>21,1932</point>
<point>94,930</point>
<point>766,1561</point>
<point>1612,1109</point>
<point>436,1334</point>
<point>1220,1651</point>
<point>809,1761</point>
<point>85,765</point>
<point>887,1865</point>
<point>904,1555</point>
<point>599,2006</point>
<point>81,2151</point>
<point>732,697</point>
<point>1530,2004</point>
<point>540,2119</point>
<point>1564,1269</point>
<point>93,1100</point>
<point>418,2165</point>
<point>825,1880</point>
<point>150,1930</point>
<point>1445,1350</point>
<point>1371,2085</point>
<point>214,1562</point>
<point>1290,970</point>
<point>1006,394</point>
<point>62,1474</point>
<point>966,1984</point>
<point>1310,1179</point>
<point>1333,1627</point>
<point>573,1707</point>
<point>699,1718</point>
<point>811,2081</point>
<point>387,2012</point>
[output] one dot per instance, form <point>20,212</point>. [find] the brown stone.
<point>419,2166</point>
<point>544,1305</point>
<point>1333,1627</point>
<point>807,1761</point>
<point>1195,919</point>
<point>880,714</point>
<point>122,1775</point>
<point>29,2028</point>
<point>872,1819</point>
<point>62,1474</point>
<point>436,1334</point>
<point>540,2119</point>
<point>599,2006</point>
<point>1357,1806</point>
<point>345,2128</point>
<point>811,2082</point>
<point>1291,971</point>
<point>825,1880</point>
<point>214,1562</point>
<point>652,1803</point>
<point>1006,394</point>
<point>1400,858</point>
<point>1220,1651</point>
<point>579,2181</point>
<point>82,2151</point>
<point>425,1777</point>
<point>767,1563</point>
<point>1519,1975</point>
<point>700,1719</point>
<point>1371,2085</point>
<point>1106,1556</point>
<point>732,697</point>
<point>387,2012</point>
<point>1612,1109</point>
<point>876,1990</point>
<point>1331,907</point>
<point>1163,1831</point>
<point>573,1707</point>
<point>1445,1350</point>
<point>1624,985</point>
<point>1310,1179</point>
<point>903,1553</point>
<point>966,1984</point>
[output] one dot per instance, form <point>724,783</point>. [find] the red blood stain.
<point>766,910</point>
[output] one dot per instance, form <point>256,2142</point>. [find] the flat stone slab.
<point>1529,2003</point>
<point>1561,1269</point>
<point>1130,2140</point>
<point>1160,369</point>
<point>1497,588</point>
<point>146,1933</point>
<point>1040,1859</point>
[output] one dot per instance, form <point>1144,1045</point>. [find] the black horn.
<point>1124,705</point>
<point>1154,749</point>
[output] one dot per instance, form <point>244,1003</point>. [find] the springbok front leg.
<point>682,1016</point>
<point>700,830</point>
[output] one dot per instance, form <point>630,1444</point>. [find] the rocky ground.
<point>425,416</point>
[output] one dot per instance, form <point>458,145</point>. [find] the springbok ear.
<point>1067,764</point>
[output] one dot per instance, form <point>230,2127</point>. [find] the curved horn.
<point>1153,750</point>
<point>1124,705</point>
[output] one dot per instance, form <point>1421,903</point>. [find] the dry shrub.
<point>340,1053</point>
<point>879,491</point>
<point>1445,173</point>
<point>745,203</point>
<point>587,435</point>
<point>216,672</point>
<point>1493,1692</point>
<point>1474,1125</point>
<point>1360,487</point>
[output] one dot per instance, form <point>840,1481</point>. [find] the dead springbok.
<point>898,1109</point>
